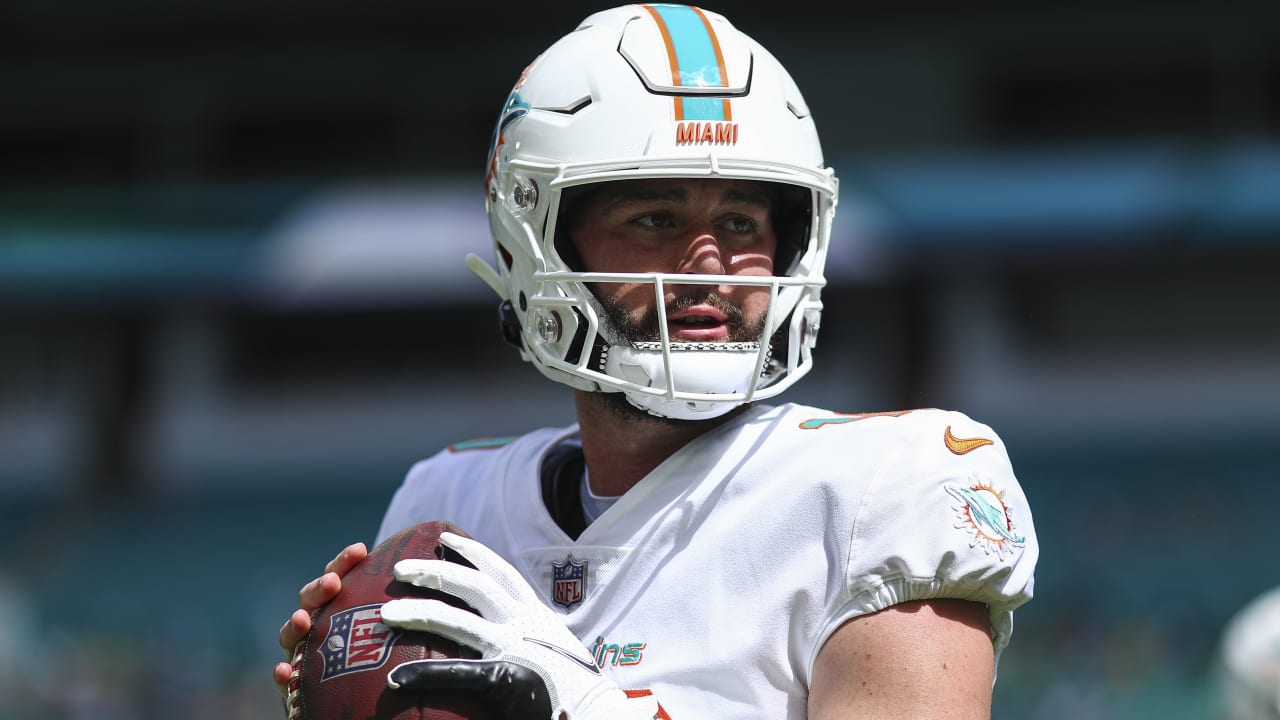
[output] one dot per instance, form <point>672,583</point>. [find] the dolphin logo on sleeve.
<point>983,512</point>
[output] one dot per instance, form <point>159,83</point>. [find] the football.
<point>342,664</point>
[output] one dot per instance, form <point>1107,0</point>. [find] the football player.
<point>660,211</point>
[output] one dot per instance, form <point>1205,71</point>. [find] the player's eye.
<point>741,224</point>
<point>653,220</point>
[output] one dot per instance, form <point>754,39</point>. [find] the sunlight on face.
<point>680,226</point>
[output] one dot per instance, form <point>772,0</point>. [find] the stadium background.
<point>233,311</point>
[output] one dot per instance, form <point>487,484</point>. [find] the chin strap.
<point>702,368</point>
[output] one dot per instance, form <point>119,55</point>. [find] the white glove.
<point>531,666</point>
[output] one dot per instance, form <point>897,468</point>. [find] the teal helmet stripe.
<point>696,56</point>
<point>703,109</point>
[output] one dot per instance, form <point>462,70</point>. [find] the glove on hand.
<point>531,666</point>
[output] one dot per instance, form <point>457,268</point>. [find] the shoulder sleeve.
<point>944,517</point>
<point>437,488</point>
<point>407,504</point>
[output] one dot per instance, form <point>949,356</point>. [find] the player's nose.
<point>702,256</point>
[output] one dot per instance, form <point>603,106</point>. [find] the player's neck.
<point>621,444</point>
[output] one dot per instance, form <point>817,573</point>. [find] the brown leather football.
<point>342,664</point>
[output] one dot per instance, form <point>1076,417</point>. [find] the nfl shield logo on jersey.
<point>568,582</point>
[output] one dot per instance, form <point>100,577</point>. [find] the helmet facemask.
<point>686,379</point>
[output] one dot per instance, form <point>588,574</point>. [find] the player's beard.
<point>646,329</point>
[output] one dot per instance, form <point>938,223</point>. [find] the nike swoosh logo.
<point>960,446</point>
<point>588,666</point>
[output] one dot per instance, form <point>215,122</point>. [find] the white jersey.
<point>715,581</point>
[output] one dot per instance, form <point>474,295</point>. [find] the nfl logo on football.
<point>357,641</point>
<point>568,582</point>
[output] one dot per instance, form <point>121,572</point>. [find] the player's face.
<point>680,226</point>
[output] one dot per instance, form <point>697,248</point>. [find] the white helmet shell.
<point>652,91</point>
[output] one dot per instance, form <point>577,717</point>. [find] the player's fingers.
<point>347,559</point>
<point>471,586</point>
<point>319,591</point>
<point>293,630</point>
<point>489,563</point>
<point>461,626</point>
<point>515,690</point>
<point>281,674</point>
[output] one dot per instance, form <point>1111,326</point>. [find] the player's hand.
<point>531,666</point>
<point>312,597</point>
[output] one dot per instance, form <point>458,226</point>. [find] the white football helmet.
<point>654,91</point>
